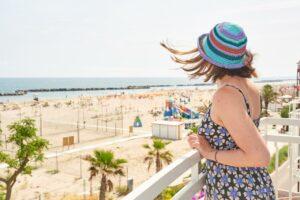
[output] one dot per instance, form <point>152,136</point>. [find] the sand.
<point>95,120</point>
<point>114,114</point>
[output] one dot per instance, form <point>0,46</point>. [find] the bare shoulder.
<point>227,96</point>
<point>228,106</point>
<point>254,88</point>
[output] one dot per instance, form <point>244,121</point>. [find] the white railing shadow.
<point>190,161</point>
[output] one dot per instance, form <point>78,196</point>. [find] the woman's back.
<point>218,135</point>
<point>228,182</point>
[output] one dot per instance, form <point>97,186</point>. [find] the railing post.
<point>290,171</point>
<point>195,172</point>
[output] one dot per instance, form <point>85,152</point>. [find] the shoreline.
<point>22,92</point>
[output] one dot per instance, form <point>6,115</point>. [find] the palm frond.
<point>86,157</point>
<point>167,153</point>
<point>158,144</point>
<point>150,162</point>
<point>104,157</point>
<point>148,158</point>
<point>151,153</point>
<point>167,157</point>
<point>119,162</point>
<point>93,172</point>
<point>108,171</point>
<point>167,142</point>
<point>110,185</point>
<point>146,146</point>
<point>119,172</point>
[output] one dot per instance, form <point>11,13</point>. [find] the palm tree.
<point>158,154</point>
<point>104,164</point>
<point>268,95</point>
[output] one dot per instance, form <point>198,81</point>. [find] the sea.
<point>10,85</point>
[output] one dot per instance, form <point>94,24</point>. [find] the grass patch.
<point>122,190</point>
<point>169,192</point>
<point>282,157</point>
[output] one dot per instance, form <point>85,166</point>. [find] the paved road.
<point>90,147</point>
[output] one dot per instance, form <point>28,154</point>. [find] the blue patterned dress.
<point>228,182</point>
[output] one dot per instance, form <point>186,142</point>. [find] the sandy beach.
<point>100,119</point>
<point>93,121</point>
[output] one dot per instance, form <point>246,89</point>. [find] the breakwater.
<point>24,92</point>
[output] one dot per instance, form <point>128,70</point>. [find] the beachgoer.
<point>228,137</point>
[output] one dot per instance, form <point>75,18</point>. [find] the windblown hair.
<point>196,66</point>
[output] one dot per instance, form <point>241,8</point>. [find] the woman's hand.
<point>200,143</point>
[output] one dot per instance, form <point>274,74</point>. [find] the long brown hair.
<point>196,66</point>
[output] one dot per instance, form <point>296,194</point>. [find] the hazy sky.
<point>82,38</point>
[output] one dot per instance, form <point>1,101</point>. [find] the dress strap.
<point>245,99</point>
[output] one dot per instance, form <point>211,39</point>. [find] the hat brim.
<point>224,64</point>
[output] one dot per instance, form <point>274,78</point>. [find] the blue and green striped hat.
<point>224,46</point>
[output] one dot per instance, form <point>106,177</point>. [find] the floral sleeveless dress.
<point>228,182</point>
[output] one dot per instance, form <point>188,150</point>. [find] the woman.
<point>236,154</point>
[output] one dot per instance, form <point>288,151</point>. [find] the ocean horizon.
<point>10,85</point>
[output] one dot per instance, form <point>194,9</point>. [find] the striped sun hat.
<point>224,46</point>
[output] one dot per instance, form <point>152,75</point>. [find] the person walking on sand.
<point>228,137</point>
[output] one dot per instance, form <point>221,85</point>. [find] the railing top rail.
<point>158,182</point>
<point>282,138</point>
<point>280,121</point>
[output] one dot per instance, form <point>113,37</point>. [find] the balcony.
<point>189,164</point>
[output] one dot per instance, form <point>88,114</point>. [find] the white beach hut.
<point>173,130</point>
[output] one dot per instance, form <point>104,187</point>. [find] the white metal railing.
<point>293,151</point>
<point>158,182</point>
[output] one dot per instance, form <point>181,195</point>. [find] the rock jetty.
<point>24,92</point>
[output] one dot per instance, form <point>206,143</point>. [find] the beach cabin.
<point>173,130</point>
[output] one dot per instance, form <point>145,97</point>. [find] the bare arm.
<point>229,106</point>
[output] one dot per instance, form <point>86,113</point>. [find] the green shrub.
<point>194,129</point>
<point>282,157</point>
<point>284,113</point>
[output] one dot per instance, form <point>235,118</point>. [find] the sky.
<point>120,38</point>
